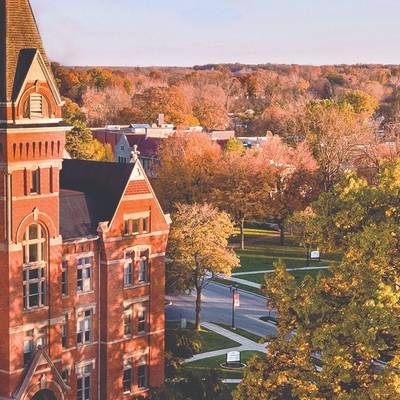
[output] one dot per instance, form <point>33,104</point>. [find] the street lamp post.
<point>235,293</point>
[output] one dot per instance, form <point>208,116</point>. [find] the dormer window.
<point>34,106</point>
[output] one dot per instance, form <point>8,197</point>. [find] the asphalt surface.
<point>217,307</point>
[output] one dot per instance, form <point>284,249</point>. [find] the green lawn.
<point>263,250</point>
<point>299,275</point>
<point>210,340</point>
<point>242,332</point>
<point>202,366</point>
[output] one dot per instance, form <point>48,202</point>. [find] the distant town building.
<point>82,247</point>
<point>147,140</point>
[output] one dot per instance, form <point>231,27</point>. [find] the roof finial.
<point>135,154</point>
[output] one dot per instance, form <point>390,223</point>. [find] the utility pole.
<point>235,302</point>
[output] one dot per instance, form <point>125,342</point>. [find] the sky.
<point>195,32</point>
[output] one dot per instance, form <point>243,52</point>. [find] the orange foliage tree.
<point>186,170</point>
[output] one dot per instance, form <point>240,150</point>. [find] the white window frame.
<point>85,268</point>
<point>143,273</point>
<point>37,264</point>
<point>84,376</point>
<point>84,329</point>
<point>128,368</point>
<point>143,362</point>
<point>142,318</point>
<point>129,268</point>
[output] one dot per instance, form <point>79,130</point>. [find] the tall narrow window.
<point>142,319</point>
<point>146,225</point>
<point>35,181</point>
<point>64,278</point>
<point>84,275</point>
<point>34,269</point>
<point>64,332</point>
<point>34,338</point>
<point>83,383</point>
<point>128,375</point>
<point>143,267</point>
<point>128,269</point>
<point>143,373</point>
<point>128,329</point>
<point>84,328</point>
<point>28,346</point>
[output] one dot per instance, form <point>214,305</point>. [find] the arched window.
<point>34,247</point>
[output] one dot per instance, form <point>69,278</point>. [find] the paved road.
<point>217,307</point>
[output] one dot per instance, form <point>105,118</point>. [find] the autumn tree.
<point>362,103</point>
<point>210,113</point>
<point>333,132</point>
<point>79,140</point>
<point>169,101</point>
<point>344,322</point>
<point>293,180</point>
<point>185,174</point>
<point>198,245</point>
<point>348,319</point>
<point>240,186</point>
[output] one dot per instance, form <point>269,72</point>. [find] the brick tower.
<point>31,148</point>
<point>82,247</point>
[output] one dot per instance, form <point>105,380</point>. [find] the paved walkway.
<point>245,282</point>
<point>270,271</point>
<point>245,344</point>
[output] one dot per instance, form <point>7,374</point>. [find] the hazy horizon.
<point>184,33</point>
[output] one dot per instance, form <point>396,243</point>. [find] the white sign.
<point>315,255</point>
<point>233,357</point>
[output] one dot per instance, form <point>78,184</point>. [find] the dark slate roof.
<point>90,192</point>
<point>20,37</point>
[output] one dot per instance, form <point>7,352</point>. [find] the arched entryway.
<point>44,395</point>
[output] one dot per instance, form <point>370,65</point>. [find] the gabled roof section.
<point>41,357</point>
<point>20,37</point>
<point>138,174</point>
<point>96,187</point>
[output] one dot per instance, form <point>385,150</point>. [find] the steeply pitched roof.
<point>19,39</point>
<point>90,193</point>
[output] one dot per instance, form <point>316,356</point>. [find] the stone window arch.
<point>36,106</point>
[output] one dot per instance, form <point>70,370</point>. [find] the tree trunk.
<point>242,246</point>
<point>308,254</point>
<point>282,232</point>
<point>198,308</point>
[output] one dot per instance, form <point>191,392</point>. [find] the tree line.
<point>261,98</point>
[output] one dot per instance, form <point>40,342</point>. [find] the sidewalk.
<point>245,344</point>
<point>270,271</point>
<point>245,282</point>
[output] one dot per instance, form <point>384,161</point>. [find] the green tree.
<point>80,143</point>
<point>233,145</point>
<point>348,319</point>
<point>198,245</point>
<point>362,103</point>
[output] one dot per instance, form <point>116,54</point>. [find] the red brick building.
<point>82,247</point>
